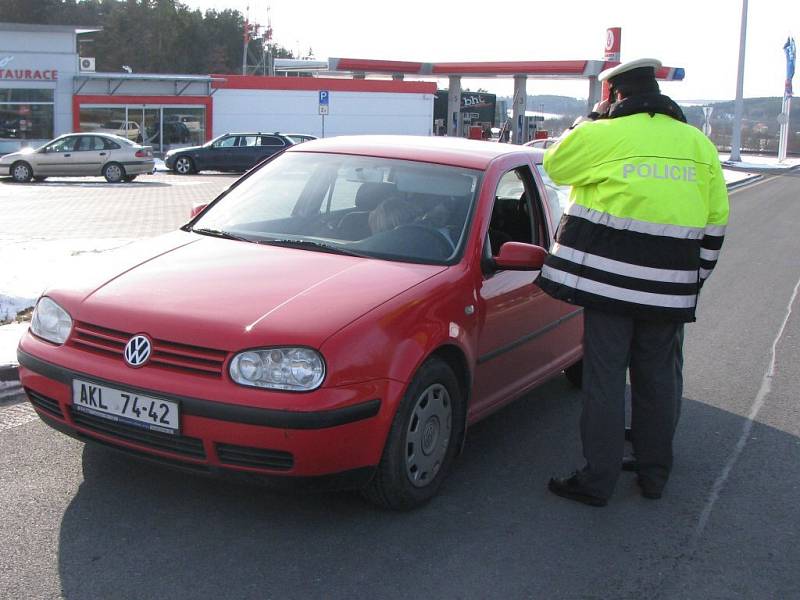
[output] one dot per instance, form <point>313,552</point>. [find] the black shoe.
<point>649,491</point>
<point>630,464</point>
<point>573,489</point>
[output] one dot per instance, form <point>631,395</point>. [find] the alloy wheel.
<point>183,165</point>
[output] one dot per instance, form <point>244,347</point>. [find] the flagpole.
<point>736,137</point>
<point>784,118</point>
<point>786,107</point>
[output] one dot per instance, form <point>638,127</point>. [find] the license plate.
<point>155,414</point>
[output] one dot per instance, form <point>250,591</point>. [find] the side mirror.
<point>197,209</point>
<point>516,256</point>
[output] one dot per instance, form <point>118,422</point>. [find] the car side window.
<point>226,142</point>
<point>247,140</point>
<point>271,140</point>
<point>108,144</point>
<point>65,145</point>
<point>90,143</point>
<point>83,143</point>
<point>516,214</point>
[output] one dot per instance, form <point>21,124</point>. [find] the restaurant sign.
<point>8,72</point>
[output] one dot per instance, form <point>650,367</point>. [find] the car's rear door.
<point>245,154</point>
<point>89,155</point>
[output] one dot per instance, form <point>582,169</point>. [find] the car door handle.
<point>67,155</point>
<point>102,154</point>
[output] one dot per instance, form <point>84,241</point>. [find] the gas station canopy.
<point>520,71</point>
<point>534,69</point>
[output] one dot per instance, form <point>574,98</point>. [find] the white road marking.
<point>758,403</point>
<point>16,415</point>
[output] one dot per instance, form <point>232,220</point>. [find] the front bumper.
<point>225,437</point>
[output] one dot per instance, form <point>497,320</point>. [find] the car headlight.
<point>295,369</point>
<point>50,321</point>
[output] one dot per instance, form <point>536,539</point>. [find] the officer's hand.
<point>601,107</point>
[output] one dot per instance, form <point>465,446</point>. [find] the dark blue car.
<point>236,152</point>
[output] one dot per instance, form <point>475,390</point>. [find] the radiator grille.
<point>165,354</point>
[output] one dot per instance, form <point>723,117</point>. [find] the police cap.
<point>641,69</point>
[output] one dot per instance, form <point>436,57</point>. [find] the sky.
<point>702,36</point>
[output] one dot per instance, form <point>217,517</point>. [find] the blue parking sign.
<point>324,97</point>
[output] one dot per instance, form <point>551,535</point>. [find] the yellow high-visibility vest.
<point>646,220</point>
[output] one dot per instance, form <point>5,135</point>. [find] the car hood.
<point>18,154</point>
<point>229,295</point>
<point>183,149</point>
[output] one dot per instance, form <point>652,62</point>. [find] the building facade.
<point>46,90</point>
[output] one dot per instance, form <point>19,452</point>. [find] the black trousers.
<point>652,351</point>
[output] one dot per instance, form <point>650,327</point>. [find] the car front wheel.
<point>184,165</point>
<point>114,172</point>
<point>422,441</point>
<point>21,172</point>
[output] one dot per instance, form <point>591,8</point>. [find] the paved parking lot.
<point>76,208</point>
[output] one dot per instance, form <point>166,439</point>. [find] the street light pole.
<point>736,137</point>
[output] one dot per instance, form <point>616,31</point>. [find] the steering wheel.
<point>437,244</point>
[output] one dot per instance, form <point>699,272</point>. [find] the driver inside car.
<point>390,214</point>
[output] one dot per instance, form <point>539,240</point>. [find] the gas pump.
<point>531,127</point>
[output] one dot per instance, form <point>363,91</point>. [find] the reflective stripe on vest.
<point>622,268</point>
<point>617,293</point>
<point>660,229</point>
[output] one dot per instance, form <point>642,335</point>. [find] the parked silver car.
<point>80,155</point>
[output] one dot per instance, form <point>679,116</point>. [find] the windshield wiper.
<point>309,245</point>
<point>220,234</point>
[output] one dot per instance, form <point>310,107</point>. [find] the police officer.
<point>643,231</point>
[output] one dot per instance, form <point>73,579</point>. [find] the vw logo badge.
<point>137,351</point>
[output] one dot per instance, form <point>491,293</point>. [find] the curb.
<point>743,182</point>
<point>10,388</point>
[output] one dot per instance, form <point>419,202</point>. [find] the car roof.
<point>252,133</point>
<point>475,154</point>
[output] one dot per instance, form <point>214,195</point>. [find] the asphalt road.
<point>81,522</point>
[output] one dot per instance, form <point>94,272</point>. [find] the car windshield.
<point>376,207</point>
<point>211,142</point>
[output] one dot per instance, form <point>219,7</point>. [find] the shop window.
<point>161,127</point>
<point>189,122</point>
<point>26,114</point>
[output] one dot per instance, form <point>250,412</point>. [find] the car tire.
<point>422,442</point>
<point>184,165</point>
<point>21,172</point>
<point>129,178</point>
<point>114,172</point>
<point>574,374</point>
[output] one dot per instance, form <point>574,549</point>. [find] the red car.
<point>338,317</point>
